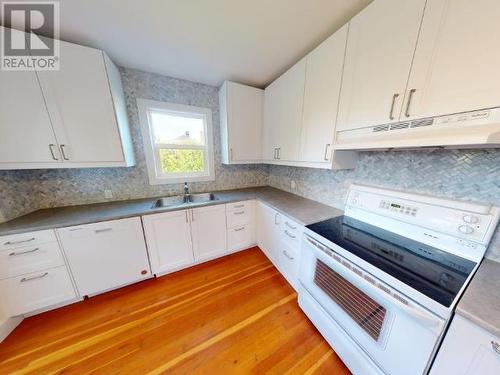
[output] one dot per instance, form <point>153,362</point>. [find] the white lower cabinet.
<point>467,349</point>
<point>279,238</point>
<point>107,255</point>
<point>37,290</point>
<point>208,228</point>
<point>168,236</point>
<point>33,273</point>
<point>240,219</point>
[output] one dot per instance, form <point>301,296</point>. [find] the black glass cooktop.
<point>433,272</point>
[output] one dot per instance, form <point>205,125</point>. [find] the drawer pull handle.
<point>239,229</point>
<point>290,225</point>
<point>289,234</point>
<point>239,206</point>
<point>496,346</point>
<point>25,279</point>
<point>20,241</point>
<point>103,230</point>
<point>239,213</point>
<point>288,255</point>
<point>15,253</point>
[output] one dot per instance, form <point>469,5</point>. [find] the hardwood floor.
<point>234,315</point>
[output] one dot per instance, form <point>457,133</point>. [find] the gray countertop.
<point>481,301</point>
<point>302,210</point>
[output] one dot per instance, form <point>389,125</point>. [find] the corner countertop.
<point>481,301</point>
<point>302,210</point>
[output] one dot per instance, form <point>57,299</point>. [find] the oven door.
<point>396,333</point>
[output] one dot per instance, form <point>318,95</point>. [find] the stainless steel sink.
<point>202,198</point>
<point>176,200</point>
<point>179,200</point>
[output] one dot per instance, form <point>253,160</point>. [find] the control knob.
<point>470,219</point>
<point>466,229</point>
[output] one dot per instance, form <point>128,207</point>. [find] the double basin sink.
<point>179,200</point>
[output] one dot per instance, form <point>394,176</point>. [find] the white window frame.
<point>156,177</point>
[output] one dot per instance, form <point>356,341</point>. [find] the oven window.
<point>367,313</point>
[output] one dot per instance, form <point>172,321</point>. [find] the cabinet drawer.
<point>239,217</point>
<point>291,232</point>
<point>239,205</point>
<point>25,239</point>
<point>29,259</point>
<point>240,237</point>
<point>289,262</point>
<point>34,291</point>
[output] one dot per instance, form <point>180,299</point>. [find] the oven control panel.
<point>438,215</point>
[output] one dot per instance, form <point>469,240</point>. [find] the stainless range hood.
<point>478,129</point>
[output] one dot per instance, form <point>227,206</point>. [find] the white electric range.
<point>381,282</point>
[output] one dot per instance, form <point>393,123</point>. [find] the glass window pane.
<point>169,128</point>
<point>181,161</point>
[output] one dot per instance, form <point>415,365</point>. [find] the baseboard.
<point>8,325</point>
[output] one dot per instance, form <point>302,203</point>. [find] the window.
<point>178,142</point>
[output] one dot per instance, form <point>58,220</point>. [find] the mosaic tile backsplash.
<point>470,175</point>
<point>461,174</point>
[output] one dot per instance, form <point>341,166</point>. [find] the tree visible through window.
<point>179,140</point>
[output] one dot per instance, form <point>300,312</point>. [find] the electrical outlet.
<point>293,185</point>
<point>108,193</point>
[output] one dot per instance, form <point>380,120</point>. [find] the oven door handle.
<point>421,316</point>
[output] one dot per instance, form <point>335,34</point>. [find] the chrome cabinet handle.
<point>103,230</point>
<point>276,216</point>
<point>327,148</point>
<point>20,241</point>
<point>290,225</point>
<point>239,206</point>
<point>288,255</point>
<point>64,153</point>
<point>230,154</point>
<point>410,97</point>
<point>279,153</point>
<point>187,219</point>
<point>192,215</point>
<point>394,97</point>
<point>239,229</point>
<point>495,346</point>
<point>16,253</point>
<point>290,235</point>
<point>51,148</point>
<point>24,279</point>
<point>239,213</point>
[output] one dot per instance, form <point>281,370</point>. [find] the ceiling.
<point>208,41</point>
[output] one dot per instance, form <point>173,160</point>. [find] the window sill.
<point>177,180</point>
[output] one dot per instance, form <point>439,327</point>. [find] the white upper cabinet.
<point>81,106</point>
<point>73,117</point>
<point>456,62</point>
<point>283,106</point>
<point>380,48</point>
<point>322,90</point>
<point>241,123</point>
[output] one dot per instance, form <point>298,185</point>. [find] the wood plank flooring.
<point>234,315</point>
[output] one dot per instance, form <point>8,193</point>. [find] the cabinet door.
<point>81,106</point>
<point>283,106</point>
<point>467,350</point>
<point>243,122</point>
<point>208,228</point>
<point>105,255</point>
<point>323,80</point>
<point>380,48</point>
<point>168,236</point>
<point>268,231</point>
<point>456,67</point>
<point>26,133</point>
